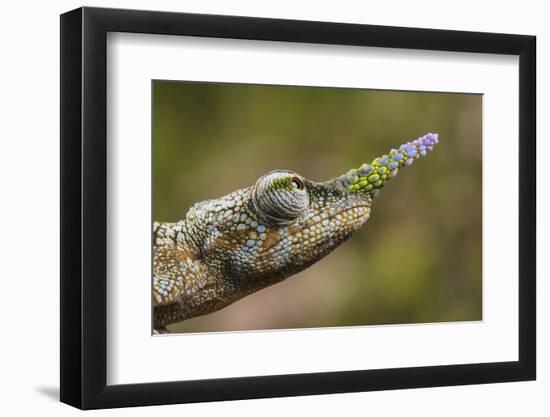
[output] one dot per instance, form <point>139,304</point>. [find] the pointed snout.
<point>373,176</point>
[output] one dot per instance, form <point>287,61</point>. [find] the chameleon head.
<point>296,221</point>
<point>284,222</point>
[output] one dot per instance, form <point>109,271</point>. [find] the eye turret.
<point>280,196</point>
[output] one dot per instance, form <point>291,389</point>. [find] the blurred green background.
<point>417,259</point>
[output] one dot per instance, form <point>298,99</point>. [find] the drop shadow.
<point>50,392</point>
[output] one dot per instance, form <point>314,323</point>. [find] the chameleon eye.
<point>275,197</point>
<point>297,183</point>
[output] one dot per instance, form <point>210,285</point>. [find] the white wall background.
<point>29,175</point>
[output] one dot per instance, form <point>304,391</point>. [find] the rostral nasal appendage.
<point>232,246</point>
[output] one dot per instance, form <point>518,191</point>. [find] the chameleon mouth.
<point>338,223</point>
<point>344,211</point>
<point>341,216</point>
<point>344,222</point>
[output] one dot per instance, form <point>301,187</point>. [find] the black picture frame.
<point>84,207</point>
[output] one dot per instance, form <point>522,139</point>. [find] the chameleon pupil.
<point>297,184</point>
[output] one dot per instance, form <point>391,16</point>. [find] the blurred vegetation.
<point>417,259</point>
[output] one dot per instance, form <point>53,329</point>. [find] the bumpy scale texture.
<point>251,238</point>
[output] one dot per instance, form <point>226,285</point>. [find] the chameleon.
<point>252,238</point>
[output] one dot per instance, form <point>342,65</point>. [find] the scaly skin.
<point>255,237</point>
